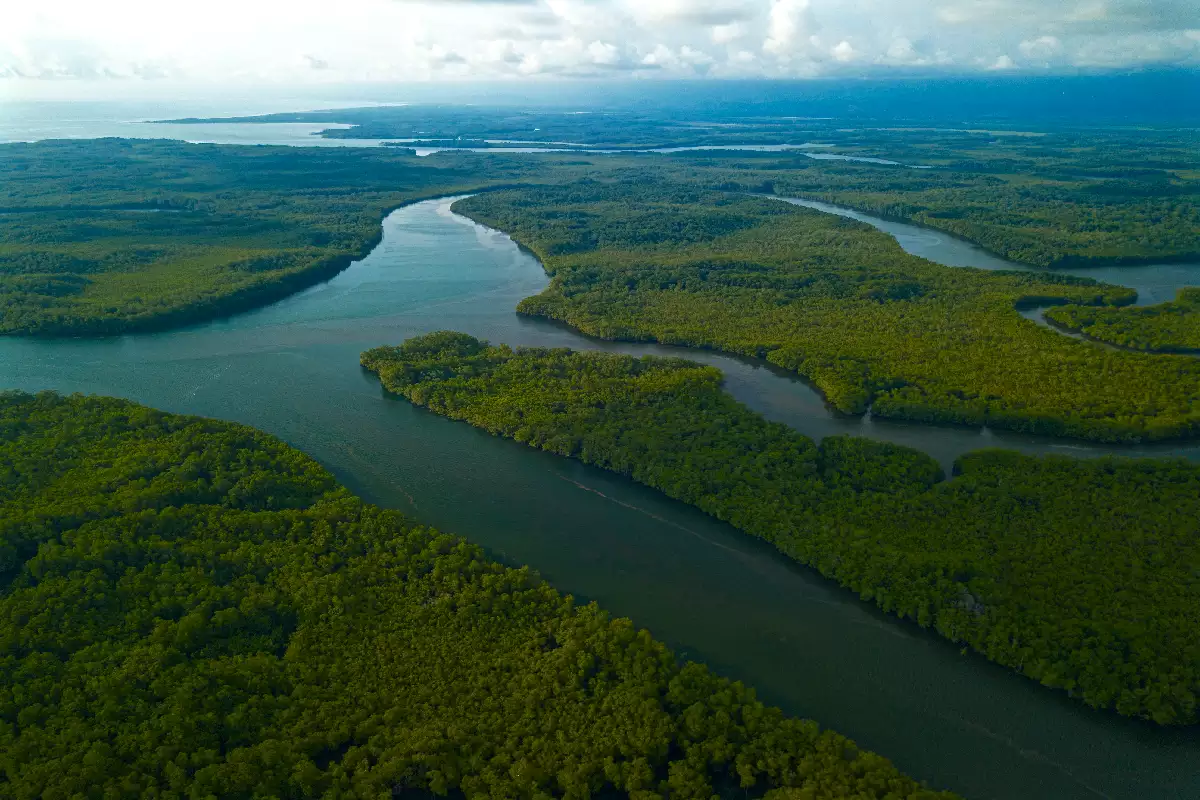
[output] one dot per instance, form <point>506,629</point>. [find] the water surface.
<point>713,593</point>
<point>37,121</point>
<point>31,121</point>
<point>1155,283</point>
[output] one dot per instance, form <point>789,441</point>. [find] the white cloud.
<point>692,12</point>
<point>725,34</point>
<point>1041,47</point>
<point>662,56</point>
<point>901,51</point>
<point>842,51</point>
<point>604,53</point>
<point>397,40</point>
<point>788,23</point>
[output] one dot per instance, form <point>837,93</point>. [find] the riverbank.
<point>1069,266</point>
<point>295,606</point>
<point>248,227</point>
<point>707,590</point>
<point>1151,280</point>
<point>993,557</point>
<point>840,305</point>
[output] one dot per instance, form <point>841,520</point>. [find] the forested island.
<point>192,608</point>
<point>1172,327</point>
<point>1058,198</point>
<point>114,236</point>
<point>839,303</point>
<point>1046,192</point>
<point>110,236</point>
<point>1079,574</point>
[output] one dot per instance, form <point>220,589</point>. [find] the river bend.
<point>711,592</point>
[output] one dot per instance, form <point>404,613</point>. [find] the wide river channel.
<point>713,593</point>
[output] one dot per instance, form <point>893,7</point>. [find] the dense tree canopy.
<point>1167,327</point>
<point>190,608</point>
<point>1050,199</point>
<point>1048,196</point>
<point>1080,574</point>
<point>105,236</point>
<point>111,235</point>
<point>841,304</point>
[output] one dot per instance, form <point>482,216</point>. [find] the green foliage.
<point>1082,575</point>
<point>1045,221</point>
<point>110,235</point>
<point>1168,327</point>
<point>841,304</point>
<point>1049,198</point>
<point>107,236</point>
<point>192,609</point>
<point>1053,196</point>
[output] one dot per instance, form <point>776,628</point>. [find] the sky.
<point>44,42</point>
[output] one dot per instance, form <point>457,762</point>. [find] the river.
<point>1155,283</point>
<point>714,594</point>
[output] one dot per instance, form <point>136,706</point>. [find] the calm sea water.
<point>35,121</point>
<point>711,592</point>
<point>24,121</point>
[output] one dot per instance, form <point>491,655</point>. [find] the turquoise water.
<point>713,593</point>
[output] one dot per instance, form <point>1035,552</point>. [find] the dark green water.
<point>716,595</point>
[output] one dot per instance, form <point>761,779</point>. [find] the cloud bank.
<point>414,40</point>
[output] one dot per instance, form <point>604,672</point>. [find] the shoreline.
<point>870,411</point>
<point>1079,262</point>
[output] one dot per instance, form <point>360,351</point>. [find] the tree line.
<point>1172,327</point>
<point>1079,574</point>
<point>839,303</point>
<point>190,608</point>
<point>108,236</point>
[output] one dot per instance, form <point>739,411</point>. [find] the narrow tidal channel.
<point>715,594</point>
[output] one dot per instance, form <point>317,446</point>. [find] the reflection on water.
<point>715,594</point>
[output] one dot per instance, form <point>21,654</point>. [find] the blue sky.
<point>316,41</point>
